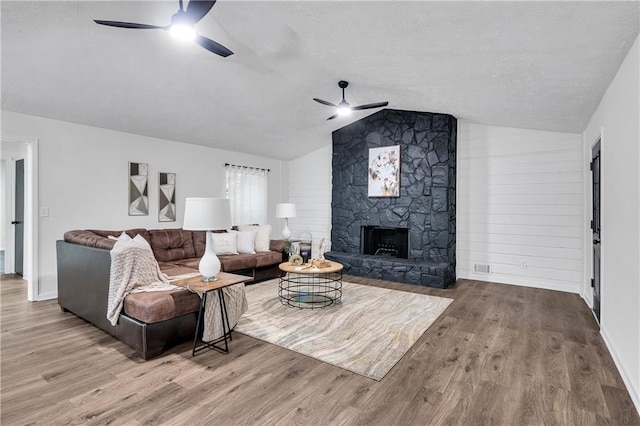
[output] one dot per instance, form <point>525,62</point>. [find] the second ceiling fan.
<point>343,108</point>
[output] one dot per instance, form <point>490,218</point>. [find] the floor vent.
<point>480,268</point>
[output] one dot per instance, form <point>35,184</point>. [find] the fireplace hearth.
<point>385,241</point>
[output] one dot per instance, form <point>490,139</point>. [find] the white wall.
<point>520,206</point>
<point>83,179</point>
<point>617,121</point>
<point>310,190</point>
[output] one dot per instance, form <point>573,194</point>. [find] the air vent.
<point>480,268</point>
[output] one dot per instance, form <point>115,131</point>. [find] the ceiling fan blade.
<point>368,106</point>
<point>212,46</point>
<point>196,10</point>
<point>325,102</point>
<point>332,117</point>
<point>131,25</point>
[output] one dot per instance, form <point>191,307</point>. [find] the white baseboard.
<point>586,299</point>
<point>495,278</point>
<point>633,392</point>
<point>46,296</point>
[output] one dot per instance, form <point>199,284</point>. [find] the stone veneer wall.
<point>427,196</point>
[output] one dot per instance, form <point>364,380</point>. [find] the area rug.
<point>367,333</point>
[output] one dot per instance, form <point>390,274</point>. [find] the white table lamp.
<point>286,210</point>
<point>207,214</point>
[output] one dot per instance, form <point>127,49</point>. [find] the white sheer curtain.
<point>247,191</point>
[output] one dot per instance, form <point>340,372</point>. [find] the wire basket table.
<point>310,288</point>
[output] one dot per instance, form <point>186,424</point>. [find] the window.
<point>247,191</point>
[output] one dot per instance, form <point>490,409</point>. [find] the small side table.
<point>310,288</point>
<point>196,285</point>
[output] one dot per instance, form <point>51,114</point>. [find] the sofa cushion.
<point>192,262</point>
<point>122,237</point>
<point>167,266</point>
<point>172,270</point>
<point>130,232</point>
<point>171,244</point>
<point>99,239</point>
<point>267,258</point>
<point>237,262</point>
<point>199,242</point>
<point>156,306</point>
<point>88,238</point>
<point>277,245</point>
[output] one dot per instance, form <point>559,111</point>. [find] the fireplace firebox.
<point>385,241</point>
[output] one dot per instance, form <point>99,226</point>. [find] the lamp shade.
<point>207,214</point>
<point>285,210</point>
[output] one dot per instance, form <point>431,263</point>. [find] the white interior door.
<point>9,154</point>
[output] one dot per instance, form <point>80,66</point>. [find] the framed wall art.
<point>138,183</point>
<point>384,171</point>
<point>166,197</point>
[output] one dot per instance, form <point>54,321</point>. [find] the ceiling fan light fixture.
<point>182,27</point>
<point>183,32</point>
<point>344,109</point>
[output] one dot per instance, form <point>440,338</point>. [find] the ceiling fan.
<point>182,23</point>
<point>343,108</point>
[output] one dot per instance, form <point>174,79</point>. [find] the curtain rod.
<point>246,167</point>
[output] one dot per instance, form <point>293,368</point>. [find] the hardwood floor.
<point>499,355</point>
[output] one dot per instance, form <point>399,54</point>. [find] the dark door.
<point>595,226</point>
<point>18,221</point>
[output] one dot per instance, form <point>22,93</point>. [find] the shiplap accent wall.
<point>520,206</point>
<point>310,190</point>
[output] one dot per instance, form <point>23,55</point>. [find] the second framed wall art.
<point>166,197</point>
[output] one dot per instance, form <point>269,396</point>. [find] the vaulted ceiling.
<point>537,65</point>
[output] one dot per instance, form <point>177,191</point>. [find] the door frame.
<point>598,144</point>
<point>587,290</point>
<point>31,229</point>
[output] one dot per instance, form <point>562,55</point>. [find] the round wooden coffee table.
<point>310,288</point>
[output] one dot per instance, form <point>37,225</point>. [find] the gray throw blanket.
<point>236,302</point>
<point>133,269</point>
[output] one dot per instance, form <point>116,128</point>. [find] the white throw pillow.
<point>246,242</point>
<point>263,235</point>
<point>140,239</point>
<point>224,243</point>
<point>121,237</point>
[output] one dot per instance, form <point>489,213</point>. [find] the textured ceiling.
<point>537,65</point>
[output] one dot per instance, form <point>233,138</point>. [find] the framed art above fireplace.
<point>384,171</point>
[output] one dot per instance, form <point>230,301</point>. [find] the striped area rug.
<point>367,333</point>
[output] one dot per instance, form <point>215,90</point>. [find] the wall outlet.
<point>523,265</point>
<point>44,211</point>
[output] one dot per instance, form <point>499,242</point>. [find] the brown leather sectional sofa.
<point>149,322</point>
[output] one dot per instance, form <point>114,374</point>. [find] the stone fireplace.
<point>410,238</point>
